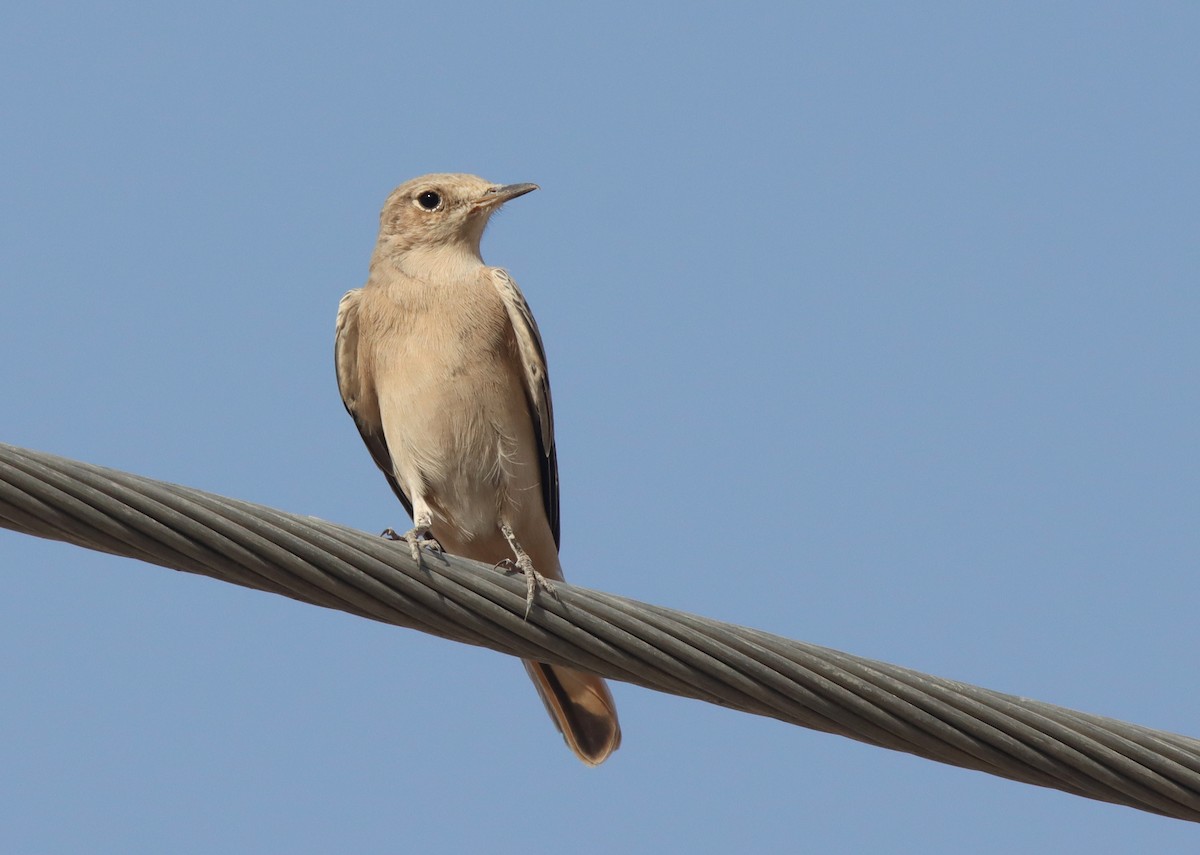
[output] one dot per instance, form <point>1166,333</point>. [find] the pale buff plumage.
<point>441,365</point>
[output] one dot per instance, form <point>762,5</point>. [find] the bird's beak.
<point>496,196</point>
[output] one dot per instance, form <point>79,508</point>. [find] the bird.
<point>441,365</point>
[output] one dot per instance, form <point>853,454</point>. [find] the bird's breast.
<point>452,400</point>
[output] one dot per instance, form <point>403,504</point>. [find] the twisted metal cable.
<point>329,565</point>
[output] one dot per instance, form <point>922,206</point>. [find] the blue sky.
<point>873,325</point>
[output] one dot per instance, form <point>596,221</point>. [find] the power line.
<point>328,565</point>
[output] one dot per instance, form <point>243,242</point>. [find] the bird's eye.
<point>429,200</point>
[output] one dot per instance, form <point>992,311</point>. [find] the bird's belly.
<point>460,435</point>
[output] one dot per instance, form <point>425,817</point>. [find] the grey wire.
<point>328,565</point>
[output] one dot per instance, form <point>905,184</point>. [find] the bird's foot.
<point>533,579</point>
<point>415,538</point>
<point>524,564</point>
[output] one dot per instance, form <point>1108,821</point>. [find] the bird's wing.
<point>537,388</point>
<point>358,390</point>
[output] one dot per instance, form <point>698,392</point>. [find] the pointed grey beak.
<point>501,193</point>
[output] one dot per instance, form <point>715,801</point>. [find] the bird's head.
<point>443,212</point>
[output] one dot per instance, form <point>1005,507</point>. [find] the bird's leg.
<point>524,564</point>
<point>419,535</point>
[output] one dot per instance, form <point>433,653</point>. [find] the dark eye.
<point>429,200</point>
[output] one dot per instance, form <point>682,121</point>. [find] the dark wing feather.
<point>537,389</point>
<point>358,391</point>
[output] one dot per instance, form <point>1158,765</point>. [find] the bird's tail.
<point>582,709</point>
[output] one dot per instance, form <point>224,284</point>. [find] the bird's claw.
<point>533,579</point>
<point>415,538</point>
